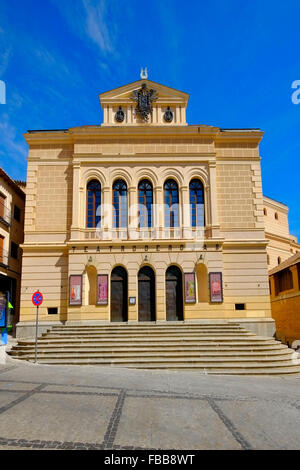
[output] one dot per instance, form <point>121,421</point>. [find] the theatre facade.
<point>145,218</point>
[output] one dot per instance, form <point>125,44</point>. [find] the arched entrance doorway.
<point>146,293</point>
<point>119,295</point>
<point>174,297</point>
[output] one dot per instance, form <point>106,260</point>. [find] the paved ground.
<point>90,407</point>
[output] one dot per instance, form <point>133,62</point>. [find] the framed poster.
<point>102,289</point>
<point>189,288</point>
<point>75,289</point>
<point>215,287</point>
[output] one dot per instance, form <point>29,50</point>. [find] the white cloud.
<point>96,25</point>
<point>14,149</point>
<point>90,19</point>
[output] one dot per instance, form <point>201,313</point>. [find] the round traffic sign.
<point>37,298</point>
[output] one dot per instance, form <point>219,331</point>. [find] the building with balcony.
<point>145,218</point>
<point>285,300</point>
<point>12,209</point>
<point>282,245</point>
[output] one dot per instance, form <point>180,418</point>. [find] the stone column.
<point>213,202</point>
<point>106,213</point>
<point>76,202</point>
<point>158,212</point>
<point>185,212</point>
<point>132,212</point>
<point>183,115</point>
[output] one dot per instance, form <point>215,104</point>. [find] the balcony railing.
<point>154,233</point>
<point>5,214</point>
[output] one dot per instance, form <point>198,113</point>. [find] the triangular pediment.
<point>123,95</point>
<point>144,103</point>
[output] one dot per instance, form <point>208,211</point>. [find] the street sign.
<point>37,298</point>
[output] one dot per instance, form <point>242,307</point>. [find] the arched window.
<point>119,204</point>
<point>197,203</point>
<point>171,204</point>
<point>145,203</point>
<point>278,260</point>
<point>93,190</point>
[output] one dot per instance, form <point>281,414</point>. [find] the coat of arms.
<point>144,99</point>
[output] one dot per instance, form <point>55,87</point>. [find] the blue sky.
<point>236,59</point>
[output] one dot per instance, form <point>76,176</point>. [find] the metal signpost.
<point>37,299</point>
<point>3,332</point>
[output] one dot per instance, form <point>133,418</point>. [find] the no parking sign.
<point>37,299</point>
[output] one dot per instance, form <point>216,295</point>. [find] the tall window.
<point>171,204</point>
<point>93,204</point>
<point>17,213</point>
<point>14,248</point>
<point>197,203</point>
<point>119,204</point>
<point>145,203</point>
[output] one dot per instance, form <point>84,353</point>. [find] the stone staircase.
<point>212,348</point>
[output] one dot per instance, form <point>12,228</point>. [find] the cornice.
<point>281,238</point>
<point>275,204</point>
<point>76,134</point>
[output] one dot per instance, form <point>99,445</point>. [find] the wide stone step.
<point>133,334</point>
<point>166,357</point>
<point>154,325</point>
<point>150,342</point>
<point>157,337</point>
<point>137,348</point>
<point>159,356</point>
<point>142,330</point>
<point>171,363</point>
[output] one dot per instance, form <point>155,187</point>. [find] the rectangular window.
<point>52,310</point>
<point>14,248</point>
<point>240,306</point>
<point>17,213</point>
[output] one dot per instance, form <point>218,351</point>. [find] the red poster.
<point>75,290</point>
<point>189,288</point>
<point>215,285</point>
<point>102,289</point>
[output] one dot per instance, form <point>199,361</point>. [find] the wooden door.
<point>146,294</point>
<point>119,305</point>
<point>174,297</point>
